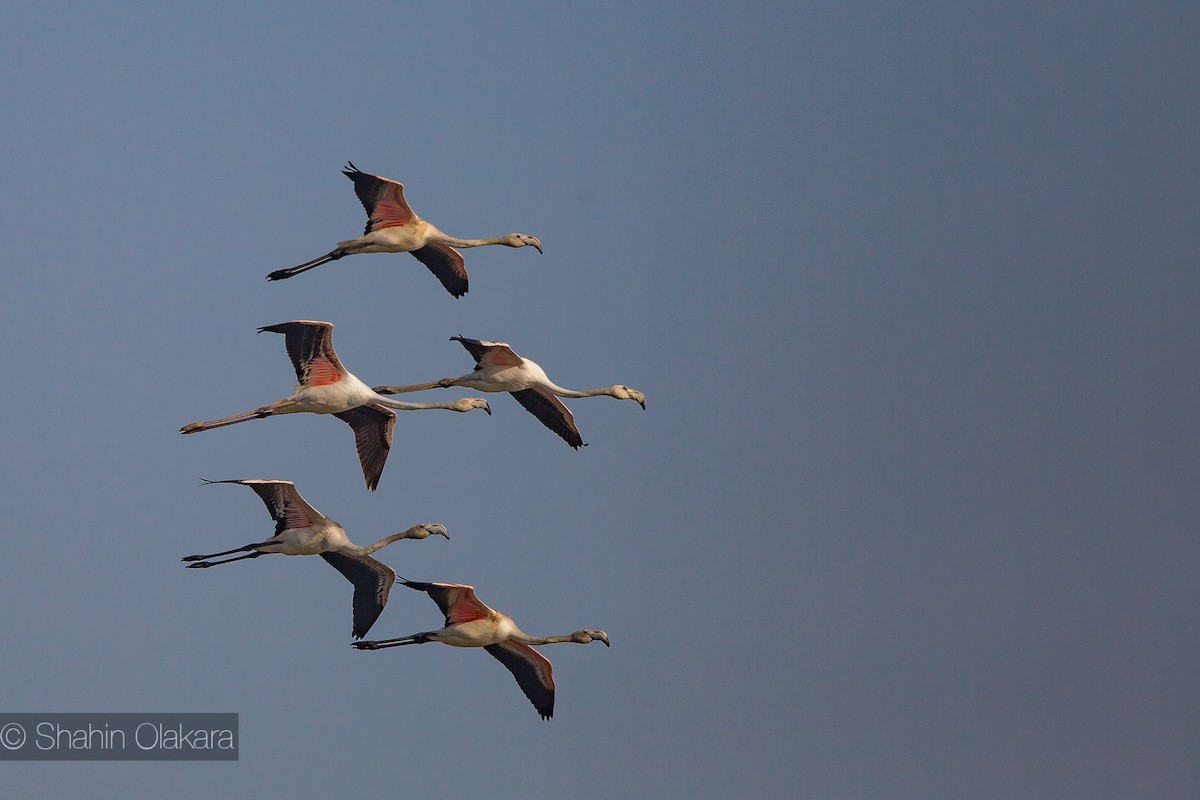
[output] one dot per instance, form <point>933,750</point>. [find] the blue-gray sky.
<point>912,293</point>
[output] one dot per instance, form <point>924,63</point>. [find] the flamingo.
<point>301,530</point>
<point>499,369</point>
<point>393,227</point>
<point>326,387</point>
<point>471,623</point>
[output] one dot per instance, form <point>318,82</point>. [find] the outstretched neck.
<point>454,241</point>
<point>385,541</point>
<point>607,390</point>
<point>543,639</point>
<point>432,234</point>
<point>397,404</point>
<point>618,391</point>
<point>578,637</point>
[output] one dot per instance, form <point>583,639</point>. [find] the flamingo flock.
<point>325,386</point>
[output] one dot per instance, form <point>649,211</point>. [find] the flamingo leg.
<point>242,549</point>
<point>205,564</point>
<point>416,387</point>
<point>280,274</point>
<point>416,638</point>
<point>258,413</point>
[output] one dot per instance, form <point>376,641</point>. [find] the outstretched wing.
<point>446,264</point>
<point>310,347</point>
<point>491,354</point>
<point>372,424</point>
<point>372,582</point>
<point>532,670</point>
<point>383,199</point>
<point>456,600</point>
<point>285,505</point>
<point>553,414</point>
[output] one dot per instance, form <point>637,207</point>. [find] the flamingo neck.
<point>454,241</point>
<point>413,406</point>
<point>561,392</point>
<point>385,541</point>
<point>525,638</point>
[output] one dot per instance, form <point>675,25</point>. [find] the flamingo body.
<point>393,227</point>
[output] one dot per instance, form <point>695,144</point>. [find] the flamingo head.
<point>429,529</point>
<point>625,393</point>
<point>523,240</point>
<point>465,404</point>
<point>586,637</point>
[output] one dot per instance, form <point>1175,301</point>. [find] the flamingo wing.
<point>372,582</point>
<point>310,347</point>
<point>383,199</point>
<point>552,412</point>
<point>285,505</point>
<point>532,670</point>
<point>489,354</point>
<point>446,264</point>
<point>372,424</point>
<point>456,600</point>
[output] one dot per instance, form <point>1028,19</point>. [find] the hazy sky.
<point>912,294</point>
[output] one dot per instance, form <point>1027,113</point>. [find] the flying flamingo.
<point>326,387</point>
<point>393,227</point>
<point>499,369</point>
<point>471,623</point>
<point>301,530</point>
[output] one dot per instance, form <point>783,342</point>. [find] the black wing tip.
<point>451,275</point>
<point>286,327</point>
<point>281,327</point>
<point>361,631</point>
<point>350,170</point>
